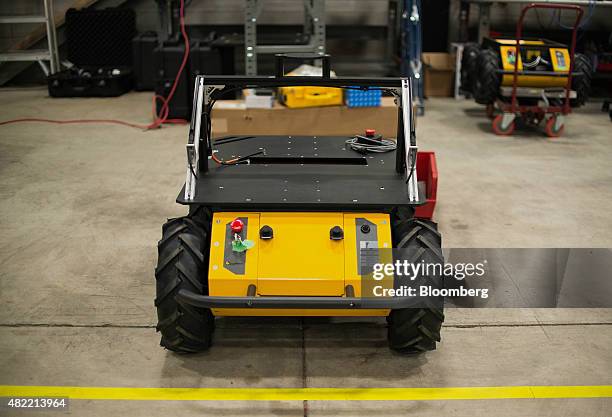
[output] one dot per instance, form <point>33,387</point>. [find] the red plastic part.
<point>498,129</point>
<point>604,67</point>
<point>427,171</point>
<point>550,128</point>
<point>236,225</point>
<point>370,132</point>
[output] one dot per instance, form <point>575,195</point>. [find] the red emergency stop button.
<point>370,132</point>
<point>237,225</point>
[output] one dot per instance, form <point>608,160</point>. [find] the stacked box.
<point>362,98</point>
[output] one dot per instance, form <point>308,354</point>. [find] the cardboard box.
<point>231,117</point>
<point>439,74</point>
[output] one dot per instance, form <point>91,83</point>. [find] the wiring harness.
<point>365,144</point>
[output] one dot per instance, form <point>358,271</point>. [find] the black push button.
<point>336,233</point>
<point>365,228</point>
<point>266,232</point>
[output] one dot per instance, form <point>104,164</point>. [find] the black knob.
<point>266,232</point>
<point>365,228</point>
<point>336,233</point>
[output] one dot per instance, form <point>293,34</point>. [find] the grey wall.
<point>504,16</point>
<point>349,12</point>
<point>230,12</point>
<point>339,12</point>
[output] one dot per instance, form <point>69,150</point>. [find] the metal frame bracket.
<point>199,145</point>
<point>410,146</point>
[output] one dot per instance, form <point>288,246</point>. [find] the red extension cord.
<point>158,118</point>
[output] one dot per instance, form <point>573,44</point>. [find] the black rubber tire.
<point>416,330</point>
<point>183,264</point>
<point>487,79</point>
<point>469,61</point>
<point>581,84</point>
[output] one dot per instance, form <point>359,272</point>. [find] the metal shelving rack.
<point>39,55</point>
<point>314,28</point>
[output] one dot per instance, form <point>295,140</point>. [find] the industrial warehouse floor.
<point>81,208</point>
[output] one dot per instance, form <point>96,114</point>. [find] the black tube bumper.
<point>317,303</point>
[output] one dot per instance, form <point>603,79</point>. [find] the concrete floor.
<point>81,208</point>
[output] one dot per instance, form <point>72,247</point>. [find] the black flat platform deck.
<point>362,182</point>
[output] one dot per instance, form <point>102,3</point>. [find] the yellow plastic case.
<point>300,97</point>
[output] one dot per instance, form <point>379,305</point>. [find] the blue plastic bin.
<point>362,98</point>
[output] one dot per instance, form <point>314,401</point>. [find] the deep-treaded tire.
<point>183,264</point>
<point>487,79</point>
<point>416,330</point>
<point>582,83</point>
<point>469,60</point>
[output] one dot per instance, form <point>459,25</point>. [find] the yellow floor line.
<point>299,394</point>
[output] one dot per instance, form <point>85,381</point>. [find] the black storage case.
<point>90,82</point>
<point>168,58</point>
<point>230,49</point>
<point>100,37</point>
<point>143,48</point>
<point>203,60</point>
<point>99,44</point>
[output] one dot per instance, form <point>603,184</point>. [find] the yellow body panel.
<point>300,260</point>
<point>306,96</point>
<point>508,54</point>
